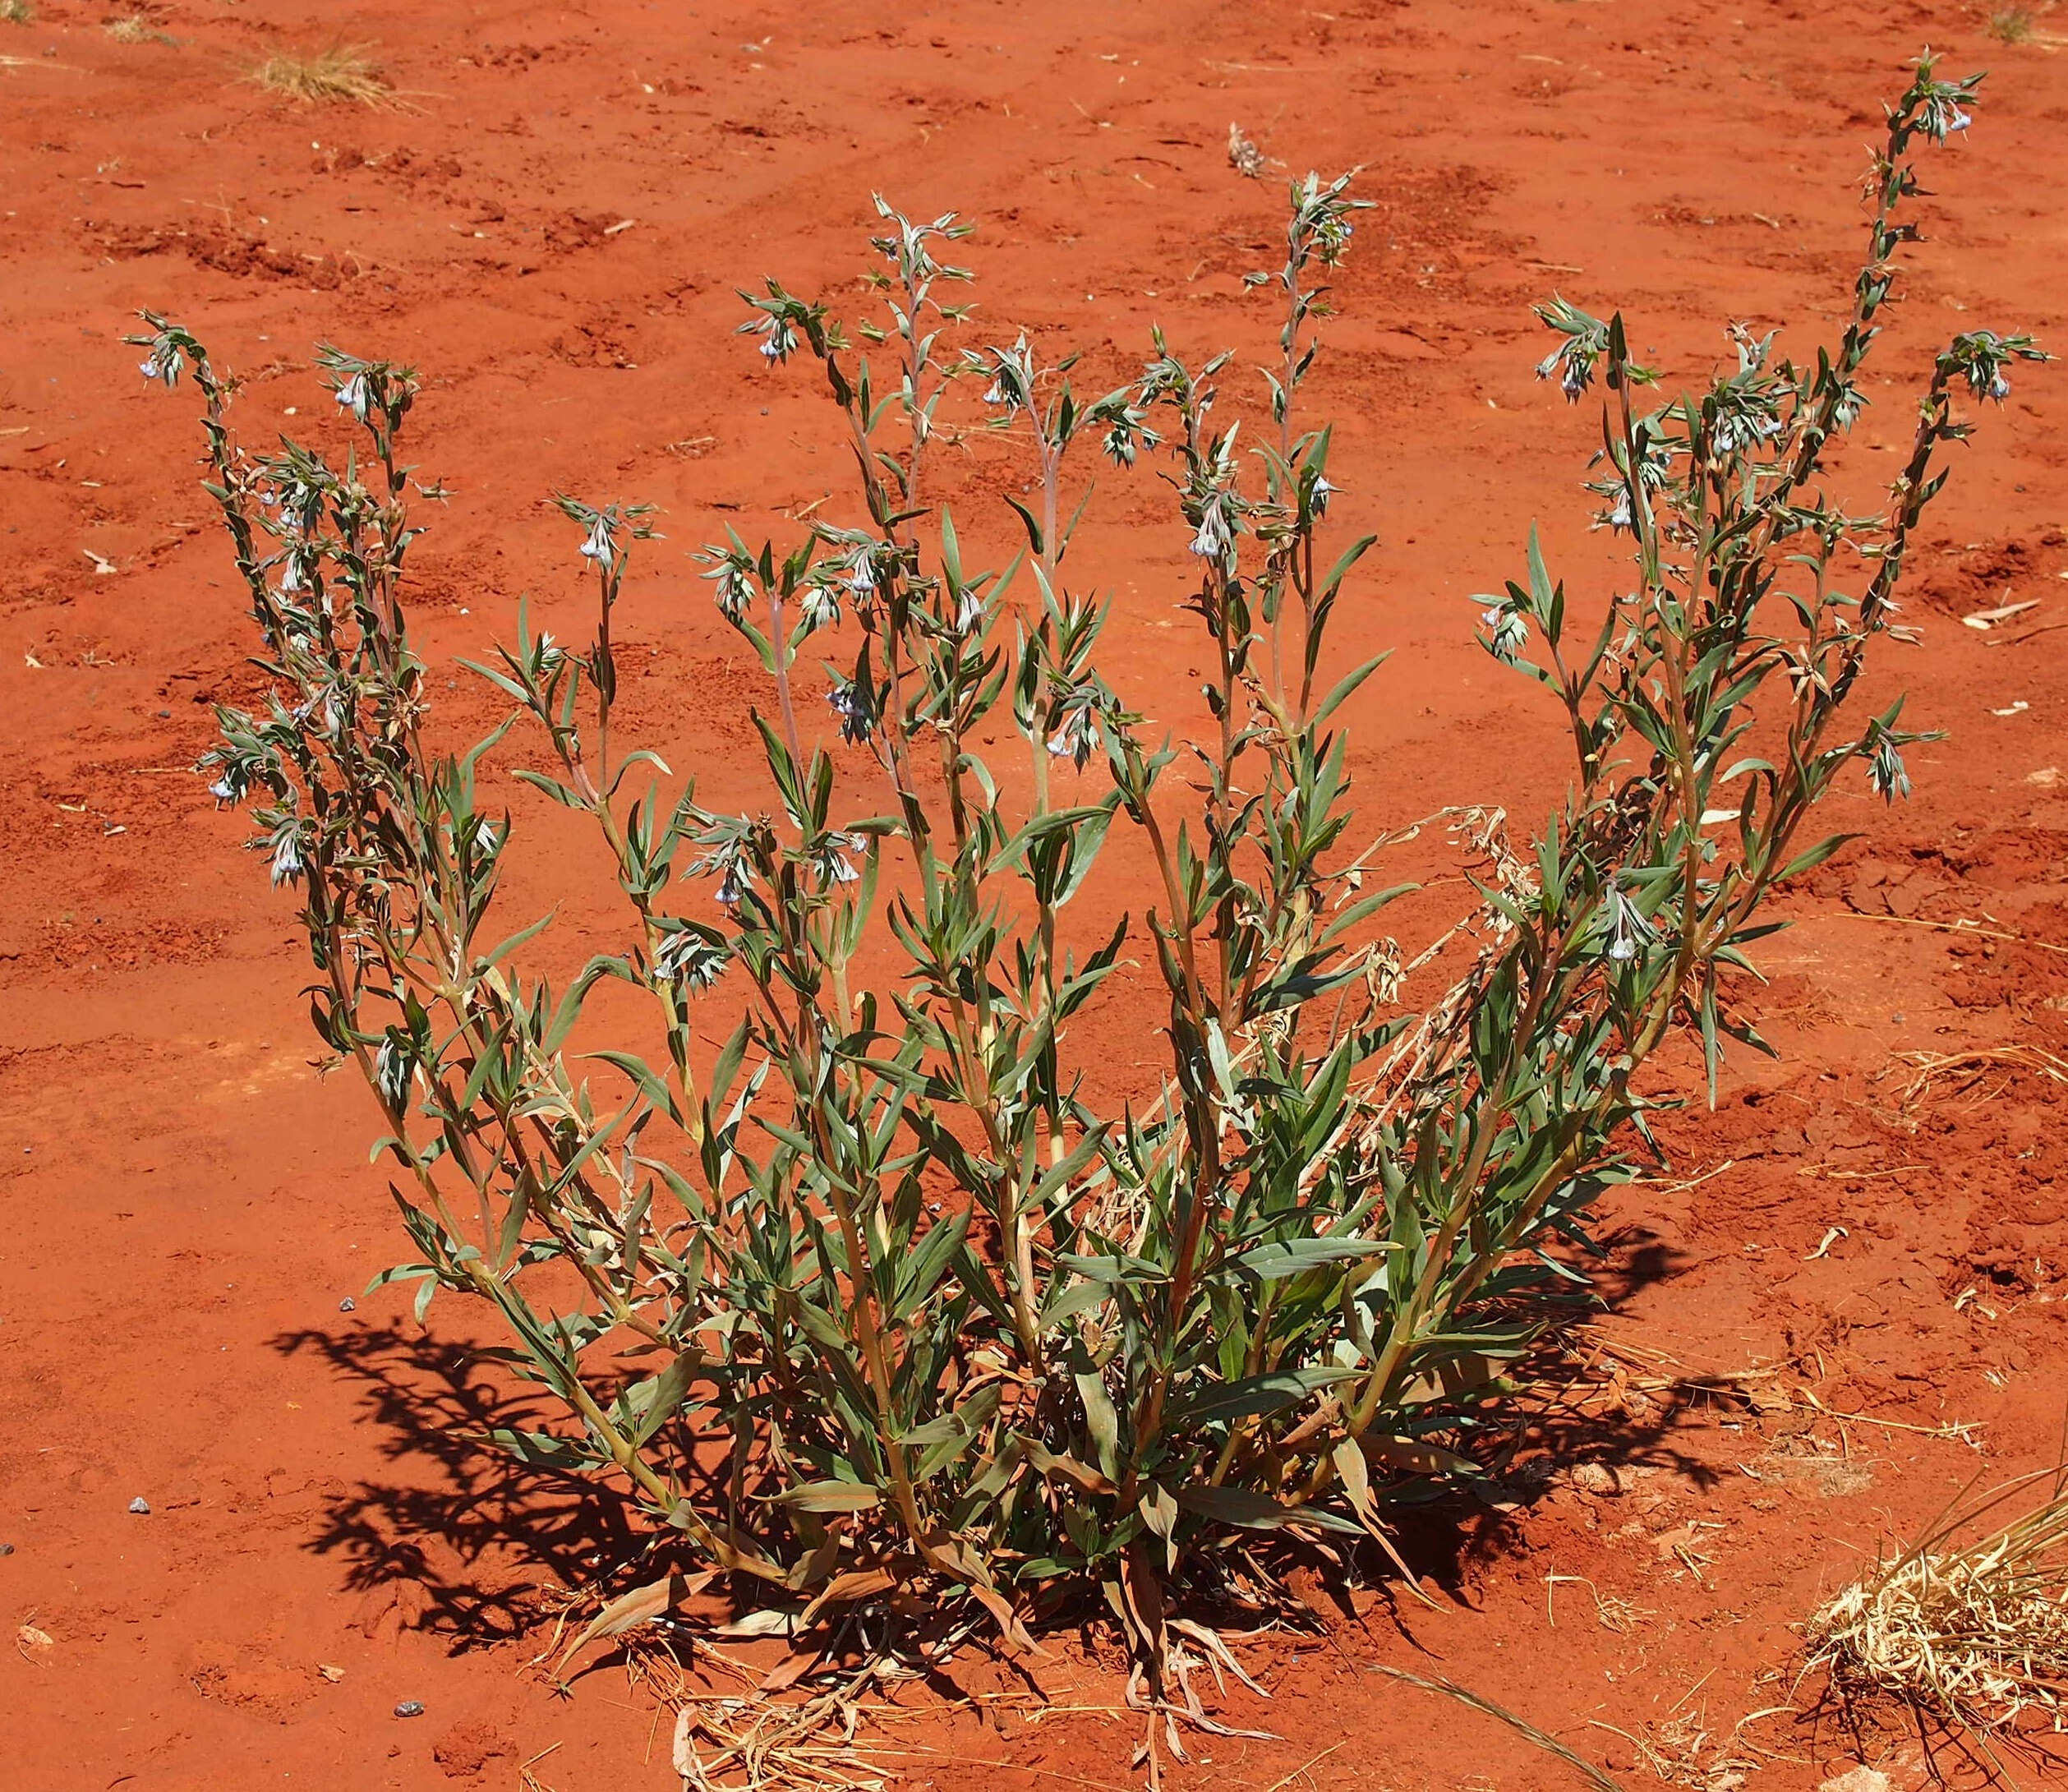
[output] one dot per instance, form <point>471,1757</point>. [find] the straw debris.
<point>343,75</point>
<point>1973,1632</point>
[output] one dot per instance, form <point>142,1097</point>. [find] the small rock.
<point>1859,1779</point>
<point>7,1549</point>
<point>348,1305</point>
<point>141,1506</point>
<point>409,1708</point>
<point>333,1674</point>
<point>1597,1481</point>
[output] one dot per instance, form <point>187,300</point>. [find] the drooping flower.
<point>1212,542</point>
<point>1627,928</point>
<point>819,607</point>
<point>1510,632</point>
<point>779,341</point>
<point>1885,770</point>
<point>1942,118</point>
<point>851,703</point>
<point>163,364</point>
<point>731,591</point>
<point>1124,440</point>
<point>830,863</point>
<point>1077,734</point>
<point>601,546</point>
<point>356,395</point>
<point>691,958</point>
<point>286,857</point>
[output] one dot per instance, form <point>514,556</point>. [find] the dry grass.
<point>343,75</point>
<point>16,13</point>
<point>1243,156</point>
<point>1967,1626</point>
<point>1964,1073</point>
<point>2011,24</point>
<point>1680,1750</point>
<point>134,28</point>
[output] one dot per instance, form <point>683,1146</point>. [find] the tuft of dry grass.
<point>342,75</point>
<point>1243,156</point>
<point>1969,1625</point>
<point>134,28</point>
<point>2011,24</point>
<point>16,13</point>
<point>1964,1071</point>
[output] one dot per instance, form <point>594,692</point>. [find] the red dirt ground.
<point>187,1204</point>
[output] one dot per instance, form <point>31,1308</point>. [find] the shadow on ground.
<point>469,1533</point>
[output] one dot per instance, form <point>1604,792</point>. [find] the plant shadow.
<point>467,1538</point>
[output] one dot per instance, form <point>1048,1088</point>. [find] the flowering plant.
<point>884,1315</point>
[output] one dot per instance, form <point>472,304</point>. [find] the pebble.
<point>348,1305</point>
<point>7,1549</point>
<point>409,1708</point>
<point>1597,1480</point>
<point>141,1506</point>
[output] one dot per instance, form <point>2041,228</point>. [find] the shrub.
<point>881,1305</point>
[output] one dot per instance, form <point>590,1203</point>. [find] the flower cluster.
<point>1571,363</point>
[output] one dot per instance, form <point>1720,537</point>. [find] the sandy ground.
<point>554,232</point>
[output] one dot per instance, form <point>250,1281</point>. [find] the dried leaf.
<point>641,1605</point>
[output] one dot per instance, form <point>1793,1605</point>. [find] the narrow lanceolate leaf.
<point>828,1496</point>
<point>1255,1394</point>
<point>1276,1261</point>
<point>1251,1511</point>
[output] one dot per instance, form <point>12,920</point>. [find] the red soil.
<point>187,1205</point>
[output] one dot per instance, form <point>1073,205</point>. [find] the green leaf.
<point>1363,906</point>
<point>1277,1261</point>
<point>1817,854</point>
<point>1348,687</point>
<point>540,1449</point>
<point>661,1397</point>
<point>559,792</point>
<point>642,1075</point>
<point>1218,1403</point>
<point>1251,1511</point>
